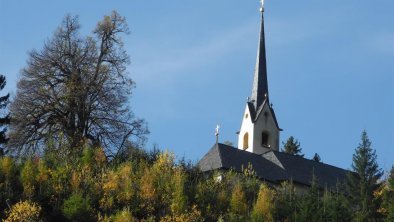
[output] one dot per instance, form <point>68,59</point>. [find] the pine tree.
<point>316,158</point>
<point>364,180</point>
<point>292,146</point>
<point>4,121</point>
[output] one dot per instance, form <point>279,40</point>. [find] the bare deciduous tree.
<point>76,89</point>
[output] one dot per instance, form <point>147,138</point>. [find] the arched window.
<point>246,141</point>
<point>265,139</point>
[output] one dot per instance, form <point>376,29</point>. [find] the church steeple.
<point>260,82</point>
<point>259,131</point>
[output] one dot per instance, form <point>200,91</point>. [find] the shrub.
<point>77,208</point>
<point>24,211</point>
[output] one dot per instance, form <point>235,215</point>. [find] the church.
<point>258,141</point>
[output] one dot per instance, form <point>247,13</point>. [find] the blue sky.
<point>330,67</point>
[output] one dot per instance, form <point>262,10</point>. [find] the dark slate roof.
<point>301,170</point>
<point>272,166</point>
<point>222,156</point>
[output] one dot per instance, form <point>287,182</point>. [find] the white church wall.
<point>246,127</point>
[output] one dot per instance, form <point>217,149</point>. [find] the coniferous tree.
<point>316,158</point>
<point>335,207</point>
<point>286,202</point>
<point>388,201</point>
<point>364,180</point>
<point>310,204</point>
<point>4,121</point>
<point>292,146</point>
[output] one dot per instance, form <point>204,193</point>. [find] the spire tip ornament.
<point>217,133</point>
<point>262,6</point>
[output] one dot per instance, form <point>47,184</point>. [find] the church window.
<point>246,116</point>
<point>265,139</point>
<point>246,141</point>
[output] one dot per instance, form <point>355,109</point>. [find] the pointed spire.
<point>260,82</point>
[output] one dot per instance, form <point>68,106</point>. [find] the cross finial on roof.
<point>217,132</point>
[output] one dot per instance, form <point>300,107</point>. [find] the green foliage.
<point>154,187</point>
<point>335,207</point>
<point>77,208</point>
<point>286,202</point>
<point>310,204</point>
<point>365,180</point>
<point>292,146</point>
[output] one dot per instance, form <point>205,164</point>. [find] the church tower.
<point>259,131</point>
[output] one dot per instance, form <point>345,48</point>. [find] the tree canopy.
<point>76,89</point>
<point>292,146</point>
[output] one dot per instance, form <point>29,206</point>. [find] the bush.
<point>123,216</point>
<point>24,211</point>
<point>77,208</point>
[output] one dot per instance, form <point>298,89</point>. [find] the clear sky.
<point>330,67</point>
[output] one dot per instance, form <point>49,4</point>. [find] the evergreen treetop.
<point>292,146</point>
<point>365,179</point>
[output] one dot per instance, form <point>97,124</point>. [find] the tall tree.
<point>76,89</point>
<point>292,146</point>
<point>364,180</point>
<point>5,120</point>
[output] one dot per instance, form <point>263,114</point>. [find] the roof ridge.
<point>322,163</point>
